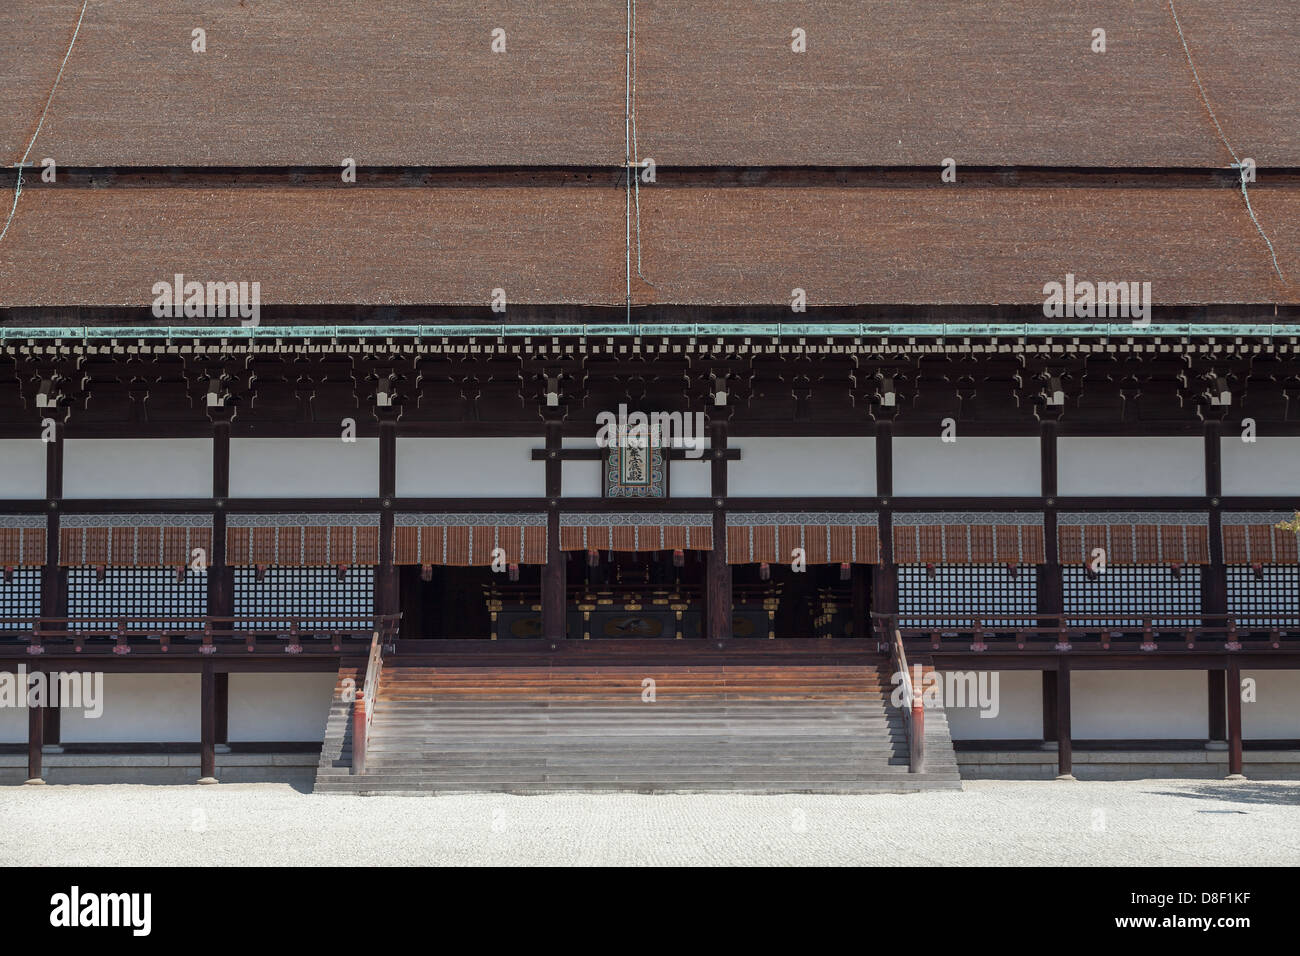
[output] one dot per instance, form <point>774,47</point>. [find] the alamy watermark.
<point>78,690</point>
<point>977,689</point>
<point>624,429</point>
<point>179,299</point>
<point>1098,300</point>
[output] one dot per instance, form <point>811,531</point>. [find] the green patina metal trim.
<point>1014,330</point>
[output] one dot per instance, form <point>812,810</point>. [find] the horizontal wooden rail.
<point>1146,630</point>
<point>203,635</point>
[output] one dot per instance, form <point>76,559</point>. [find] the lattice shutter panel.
<point>954,595</point>
<point>1132,593</point>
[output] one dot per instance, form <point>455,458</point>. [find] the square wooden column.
<point>554,584</point>
<point>1049,706</point>
<point>1050,583</point>
<point>207,723</point>
<point>54,579</point>
<point>1214,576</point>
<point>221,734</point>
<point>884,576</point>
<point>1064,748</point>
<point>387,598</point>
<point>43,720</point>
<point>718,573</point>
<point>1234,719</point>
<point>221,579</point>
<point>35,735</point>
<point>1217,707</point>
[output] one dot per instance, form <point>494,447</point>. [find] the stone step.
<point>754,729</point>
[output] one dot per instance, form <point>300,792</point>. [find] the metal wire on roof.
<point>1237,164</point>
<point>18,189</point>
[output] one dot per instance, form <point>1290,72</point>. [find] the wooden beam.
<point>1064,744</point>
<point>598,454</point>
<point>207,724</point>
<point>1233,680</point>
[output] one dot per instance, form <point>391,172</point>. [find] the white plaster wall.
<point>13,723</point>
<point>1138,705</point>
<point>691,478</point>
<point>802,467</point>
<point>580,479</point>
<point>1130,465</point>
<point>469,468</point>
<point>1267,466</point>
<point>969,467</point>
<point>282,707</point>
<point>1019,712</point>
<point>22,468</point>
<point>137,468</point>
<point>139,708</point>
<point>304,468</point>
<point>1275,712</point>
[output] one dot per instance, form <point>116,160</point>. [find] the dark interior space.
<point>454,602</point>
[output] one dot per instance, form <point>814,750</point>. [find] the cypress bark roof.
<point>407,83</point>
<point>705,245</point>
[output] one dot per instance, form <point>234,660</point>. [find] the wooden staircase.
<point>750,728</point>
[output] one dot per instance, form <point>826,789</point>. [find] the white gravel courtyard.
<point>1151,822</point>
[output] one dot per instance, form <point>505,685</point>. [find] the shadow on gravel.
<point>1262,793</point>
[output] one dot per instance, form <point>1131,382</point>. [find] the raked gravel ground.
<point>1152,822</point>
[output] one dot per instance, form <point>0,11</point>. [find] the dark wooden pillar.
<point>718,573</point>
<point>1050,584</point>
<point>221,579</point>
<point>861,583</point>
<point>52,729</point>
<point>1234,718</point>
<point>554,587</point>
<point>221,733</point>
<point>1214,578</point>
<point>1217,705</point>
<point>1064,748</point>
<point>35,733</point>
<point>54,579</point>
<point>207,723</point>
<point>1049,706</point>
<point>884,577</point>
<point>387,599</point>
<point>54,600</point>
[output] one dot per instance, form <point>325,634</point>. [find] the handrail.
<point>912,706</point>
<point>363,708</point>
